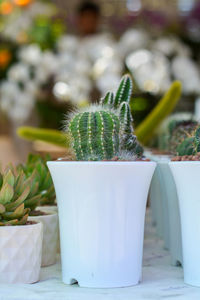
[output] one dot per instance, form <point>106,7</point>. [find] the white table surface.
<point>160,281</point>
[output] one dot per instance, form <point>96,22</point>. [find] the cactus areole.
<point>104,131</point>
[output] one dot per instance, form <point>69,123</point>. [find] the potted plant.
<point>42,190</point>
<point>47,201</point>
<point>185,168</point>
<point>177,128</point>
<point>20,240</point>
<point>102,195</point>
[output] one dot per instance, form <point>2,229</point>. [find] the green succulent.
<point>36,165</point>
<point>15,189</point>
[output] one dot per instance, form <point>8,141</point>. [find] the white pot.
<point>20,253</point>
<point>155,195</point>
<point>51,209</point>
<point>101,213</point>
<point>48,208</point>
<point>50,237</point>
<point>158,200</point>
<point>169,189</point>
<point>186,175</point>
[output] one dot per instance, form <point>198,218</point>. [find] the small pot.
<point>48,208</point>
<point>101,214</point>
<point>50,237</point>
<point>51,209</point>
<point>20,254</point>
<point>186,175</point>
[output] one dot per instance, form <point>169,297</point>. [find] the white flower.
<point>30,54</point>
<point>132,40</point>
<point>108,82</point>
<point>150,70</point>
<point>185,70</point>
<point>8,89</point>
<point>16,103</point>
<point>67,43</point>
<point>19,73</point>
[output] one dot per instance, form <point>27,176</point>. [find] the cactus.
<point>14,191</point>
<point>102,131</point>
<point>43,178</point>
<point>95,135</point>
<point>179,130</point>
<point>165,106</point>
<point>51,136</point>
<point>191,144</point>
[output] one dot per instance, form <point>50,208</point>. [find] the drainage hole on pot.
<point>73,281</point>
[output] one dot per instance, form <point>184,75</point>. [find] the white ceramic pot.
<point>51,209</point>
<point>158,200</point>
<point>175,241</point>
<point>50,237</point>
<point>155,195</point>
<point>48,208</point>
<point>101,214</point>
<point>20,253</point>
<point>186,176</point>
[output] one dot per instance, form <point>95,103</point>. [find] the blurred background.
<point>57,55</point>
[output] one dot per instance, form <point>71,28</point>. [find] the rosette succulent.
<point>17,193</point>
<point>36,165</point>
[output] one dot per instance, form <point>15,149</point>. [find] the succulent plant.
<point>191,144</point>
<point>178,131</point>
<point>36,166</point>
<point>103,131</point>
<point>15,190</point>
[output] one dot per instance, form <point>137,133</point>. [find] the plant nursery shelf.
<point>160,280</point>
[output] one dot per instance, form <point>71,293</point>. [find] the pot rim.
<point>47,215</point>
<point>185,162</point>
<point>20,226</point>
<point>102,162</point>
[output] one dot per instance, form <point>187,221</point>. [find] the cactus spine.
<point>102,131</point>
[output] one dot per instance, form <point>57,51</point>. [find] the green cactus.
<point>102,131</point>
<point>178,131</point>
<point>190,145</point>
<point>51,136</point>
<point>95,135</point>
<point>14,191</point>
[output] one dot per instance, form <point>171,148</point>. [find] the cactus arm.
<point>100,135</point>
<point>125,118</point>
<point>51,136</point>
<point>108,100</point>
<point>146,129</point>
<point>74,129</point>
<point>124,91</point>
